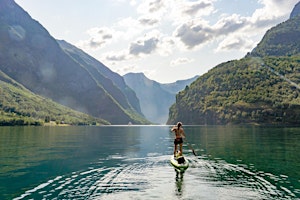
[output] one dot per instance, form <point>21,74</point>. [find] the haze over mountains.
<point>155,98</point>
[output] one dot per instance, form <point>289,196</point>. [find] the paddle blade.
<point>194,153</point>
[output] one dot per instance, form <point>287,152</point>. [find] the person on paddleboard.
<point>179,134</point>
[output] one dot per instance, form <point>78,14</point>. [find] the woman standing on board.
<point>179,134</point>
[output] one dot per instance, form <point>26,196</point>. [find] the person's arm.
<point>173,128</point>
<point>183,134</point>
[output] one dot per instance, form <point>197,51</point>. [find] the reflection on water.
<point>132,162</point>
<point>179,182</point>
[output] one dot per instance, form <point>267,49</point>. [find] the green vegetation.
<point>282,40</point>
<point>18,106</point>
<point>250,90</point>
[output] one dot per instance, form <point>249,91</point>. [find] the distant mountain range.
<point>262,88</point>
<point>155,98</point>
<point>53,69</point>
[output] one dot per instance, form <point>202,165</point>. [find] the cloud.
<point>234,42</point>
<point>151,6</point>
<point>143,46</point>
<point>148,21</point>
<point>180,61</point>
<point>272,12</point>
<point>166,46</point>
<point>98,38</point>
<point>167,27</point>
<point>116,56</point>
<point>182,11</point>
<point>230,24</point>
<point>193,34</point>
<point>129,28</point>
<point>192,8</point>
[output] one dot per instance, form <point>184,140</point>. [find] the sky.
<point>167,40</point>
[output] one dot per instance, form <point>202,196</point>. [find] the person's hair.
<point>178,125</point>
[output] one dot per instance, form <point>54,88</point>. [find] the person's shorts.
<point>178,141</point>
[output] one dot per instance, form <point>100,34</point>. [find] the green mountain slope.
<point>250,90</point>
<point>281,40</point>
<point>19,106</point>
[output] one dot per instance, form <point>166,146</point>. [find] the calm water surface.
<point>132,162</point>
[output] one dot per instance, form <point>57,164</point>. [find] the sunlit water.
<point>132,162</point>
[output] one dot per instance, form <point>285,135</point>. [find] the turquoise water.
<point>132,162</point>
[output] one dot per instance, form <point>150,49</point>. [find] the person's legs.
<point>175,149</point>
<point>180,149</point>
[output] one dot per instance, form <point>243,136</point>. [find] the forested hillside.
<point>281,40</point>
<point>250,90</point>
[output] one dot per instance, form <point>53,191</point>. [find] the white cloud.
<point>193,34</point>
<point>230,24</point>
<point>116,56</point>
<point>235,42</point>
<point>130,27</point>
<point>148,21</point>
<point>273,11</point>
<point>151,6</point>
<point>180,61</point>
<point>199,32</point>
<point>98,38</point>
<point>202,7</point>
<point>143,46</point>
<point>166,46</point>
<point>183,11</point>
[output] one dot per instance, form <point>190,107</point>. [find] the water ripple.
<point>153,178</point>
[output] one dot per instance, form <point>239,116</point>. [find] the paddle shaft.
<point>190,146</point>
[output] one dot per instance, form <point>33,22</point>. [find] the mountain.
<point>296,11</point>
<point>262,88</point>
<point>126,96</point>
<point>281,40</point>
<point>155,98</point>
<point>178,85</point>
<point>56,70</point>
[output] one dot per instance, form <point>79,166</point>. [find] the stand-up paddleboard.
<point>179,162</point>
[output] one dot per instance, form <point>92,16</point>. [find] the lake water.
<point>132,162</point>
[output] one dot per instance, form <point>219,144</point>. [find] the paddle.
<point>190,146</point>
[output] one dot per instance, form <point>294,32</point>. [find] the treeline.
<point>6,120</point>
